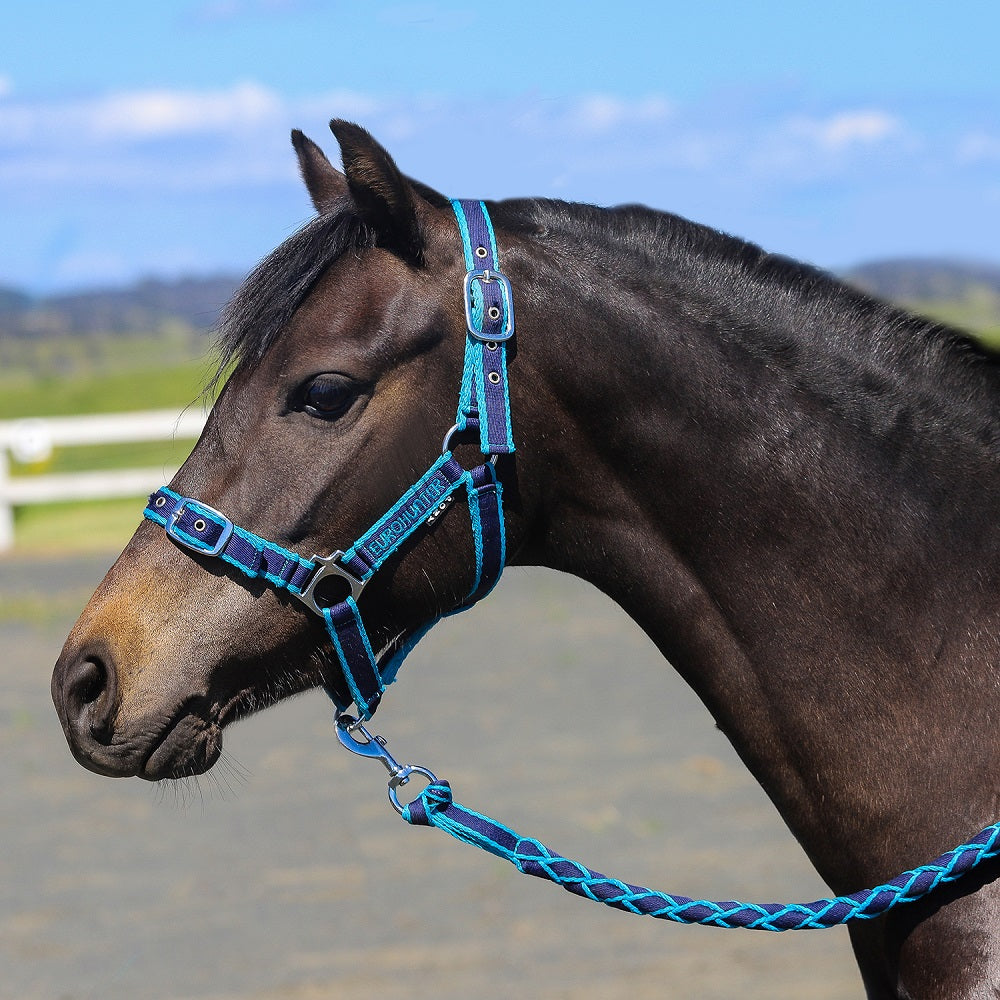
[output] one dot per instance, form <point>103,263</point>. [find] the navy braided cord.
<point>436,807</point>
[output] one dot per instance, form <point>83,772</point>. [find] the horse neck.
<point>815,562</point>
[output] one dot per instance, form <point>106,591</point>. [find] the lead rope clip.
<point>374,746</point>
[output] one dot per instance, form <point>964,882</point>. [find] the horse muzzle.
<point>170,743</point>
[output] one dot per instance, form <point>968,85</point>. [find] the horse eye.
<point>328,396</point>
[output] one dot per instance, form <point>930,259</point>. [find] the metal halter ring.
<point>328,566</point>
<point>452,431</point>
<point>446,443</point>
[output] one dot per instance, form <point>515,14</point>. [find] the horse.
<point>788,484</point>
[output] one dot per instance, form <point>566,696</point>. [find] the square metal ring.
<point>328,566</point>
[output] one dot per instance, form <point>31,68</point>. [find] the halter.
<point>483,407</point>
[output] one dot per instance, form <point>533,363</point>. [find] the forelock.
<point>268,297</point>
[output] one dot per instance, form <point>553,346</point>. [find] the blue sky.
<point>152,139</point>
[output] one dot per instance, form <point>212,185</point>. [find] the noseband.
<point>483,407</point>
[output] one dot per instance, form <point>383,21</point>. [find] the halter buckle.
<point>487,276</point>
<point>192,542</point>
<point>328,566</point>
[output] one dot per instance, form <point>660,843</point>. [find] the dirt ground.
<point>285,875</point>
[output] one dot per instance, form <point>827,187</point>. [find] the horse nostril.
<point>90,682</point>
<point>90,698</point>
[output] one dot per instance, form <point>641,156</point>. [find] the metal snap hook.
<point>374,746</point>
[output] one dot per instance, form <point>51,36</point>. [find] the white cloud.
<point>739,160</point>
<point>125,117</point>
<point>164,113</point>
<point>178,140</point>
<point>589,146</point>
<point>604,112</point>
<point>588,116</point>
<point>846,129</point>
<point>978,147</point>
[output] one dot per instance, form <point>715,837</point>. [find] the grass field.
<point>129,373</point>
<point>72,376</point>
<point>92,526</point>
<point>977,315</point>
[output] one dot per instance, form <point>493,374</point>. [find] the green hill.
<point>964,294</point>
<point>146,306</point>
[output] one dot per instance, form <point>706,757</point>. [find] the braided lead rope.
<point>436,807</point>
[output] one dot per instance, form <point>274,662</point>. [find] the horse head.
<point>344,356</point>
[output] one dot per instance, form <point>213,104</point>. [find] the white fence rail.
<point>33,439</point>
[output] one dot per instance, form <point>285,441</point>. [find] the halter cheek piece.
<point>483,408</point>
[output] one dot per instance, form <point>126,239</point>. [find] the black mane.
<point>764,289</point>
<point>856,351</point>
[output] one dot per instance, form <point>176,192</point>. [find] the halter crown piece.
<point>484,407</point>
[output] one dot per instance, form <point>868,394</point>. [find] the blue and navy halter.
<point>483,407</point>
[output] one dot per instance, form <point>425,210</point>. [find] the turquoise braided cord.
<point>436,807</point>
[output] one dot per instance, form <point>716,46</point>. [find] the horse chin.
<point>191,742</point>
<point>190,746</point>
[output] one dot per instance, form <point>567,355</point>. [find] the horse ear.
<point>326,184</point>
<point>384,198</point>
